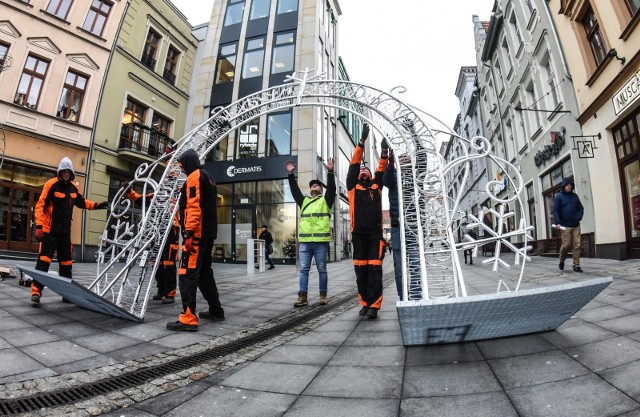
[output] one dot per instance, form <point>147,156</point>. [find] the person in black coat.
<point>268,241</point>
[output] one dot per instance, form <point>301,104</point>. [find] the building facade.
<point>601,40</point>
<point>54,54</point>
<point>529,112</point>
<point>251,45</point>
<point>143,105</point>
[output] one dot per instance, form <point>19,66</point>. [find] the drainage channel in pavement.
<point>70,395</point>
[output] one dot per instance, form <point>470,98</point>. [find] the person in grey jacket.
<point>567,214</point>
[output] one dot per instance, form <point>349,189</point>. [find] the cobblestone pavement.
<point>334,364</point>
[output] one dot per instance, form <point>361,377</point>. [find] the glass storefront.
<point>627,142</point>
<point>20,189</point>
<point>243,208</point>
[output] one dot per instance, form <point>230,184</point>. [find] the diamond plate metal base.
<point>79,295</point>
<point>478,317</point>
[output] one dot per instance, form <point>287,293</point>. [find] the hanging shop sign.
<point>585,145</point>
<point>549,151</point>
<point>627,94</point>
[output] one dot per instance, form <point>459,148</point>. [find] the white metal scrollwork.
<point>431,268</point>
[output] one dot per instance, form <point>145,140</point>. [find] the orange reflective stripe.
<point>378,303</point>
<point>188,318</point>
<point>168,263</point>
<point>360,262</point>
<point>375,262</point>
<point>45,259</point>
<point>172,293</point>
<point>182,271</point>
<point>34,290</point>
<point>381,249</point>
<point>357,155</point>
<point>66,263</point>
<point>362,302</point>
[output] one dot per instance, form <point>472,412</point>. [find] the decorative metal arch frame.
<point>431,267</point>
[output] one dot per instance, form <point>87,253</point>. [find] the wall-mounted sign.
<point>557,142</point>
<point>627,94</point>
<point>249,169</point>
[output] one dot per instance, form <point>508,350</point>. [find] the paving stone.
<point>606,354</point>
<point>443,354</point>
<point>92,362</point>
<point>318,338</point>
<point>57,353</point>
<point>622,325</point>
<point>452,379</point>
<point>537,368</point>
<point>369,356</point>
<point>300,355</point>
<point>227,401</point>
<point>136,352</point>
<point>375,338</point>
<point>311,406</point>
<point>16,362</point>
<point>625,378</point>
<point>577,332</point>
<point>514,346</point>
<point>357,382</point>
<point>273,377</point>
<point>586,396</point>
<point>606,312</point>
<point>489,404</point>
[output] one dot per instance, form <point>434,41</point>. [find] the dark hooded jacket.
<point>198,199</point>
<point>567,208</point>
<point>54,209</point>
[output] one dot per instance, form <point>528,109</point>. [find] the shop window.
<point>248,139</point>
<point>244,193</point>
<point>226,63</point>
<point>171,65</point>
<point>276,191</point>
<point>235,10</point>
<point>283,52</point>
<point>72,97</point>
<point>287,6</point>
<point>626,138</point>
<point>594,36</point>
<point>150,49</point>
<point>31,81</point>
<point>97,16</point>
<point>279,134</point>
<point>259,9</point>
<point>59,8</point>
<point>253,58</point>
<point>531,203</point>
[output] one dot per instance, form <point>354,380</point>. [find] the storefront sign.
<point>550,150</point>
<point>249,169</point>
<point>627,94</point>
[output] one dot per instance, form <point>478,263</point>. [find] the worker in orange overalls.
<point>365,204</point>
<point>199,223</point>
<point>54,212</point>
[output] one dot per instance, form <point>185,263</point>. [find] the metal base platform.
<point>78,295</point>
<point>478,317</point>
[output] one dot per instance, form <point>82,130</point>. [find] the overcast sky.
<point>418,44</point>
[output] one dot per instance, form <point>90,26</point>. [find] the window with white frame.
<point>506,56</point>
<point>550,82</point>
<point>518,125</point>
<point>498,71</point>
<point>535,121</point>
<point>510,144</point>
<point>515,29</point>
<point>528,8</point>
<point>72,97</point>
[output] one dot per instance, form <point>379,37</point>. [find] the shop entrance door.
<point>243,227</point>
<point>17,218</point>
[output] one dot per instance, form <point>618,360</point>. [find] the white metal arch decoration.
<point>422,170</point>
<point>437,307</point>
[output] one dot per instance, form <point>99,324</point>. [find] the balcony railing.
<point>143,139</point>
<point>169,76</point>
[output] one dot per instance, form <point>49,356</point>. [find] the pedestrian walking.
<point>314,232</point>
<point>567,214</point>
<point>265,235</point>
<point>54,211</point>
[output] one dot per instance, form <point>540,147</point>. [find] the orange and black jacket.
<point>365,195</point>
<point>54,209</point>
<point>136,198</point>
<point>198,210</point>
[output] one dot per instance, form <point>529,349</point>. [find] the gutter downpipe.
<point>93,129</point>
